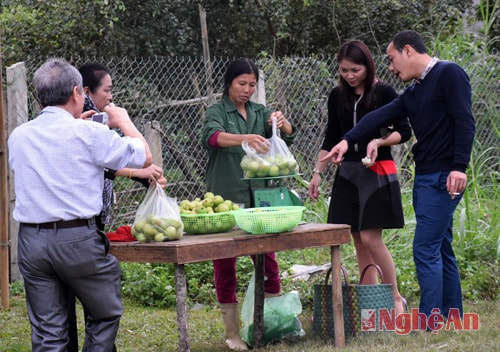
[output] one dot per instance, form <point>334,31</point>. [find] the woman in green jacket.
<point>227,124</point>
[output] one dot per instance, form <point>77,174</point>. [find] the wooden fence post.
<point>17,113</point>
<point>4,214</point>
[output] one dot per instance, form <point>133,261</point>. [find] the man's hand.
<point>456,183</point>
<point>87,114</point>
<point>336,155</point>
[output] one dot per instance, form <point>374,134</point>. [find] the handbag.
<point>361,305</point>
<point>323,308</point>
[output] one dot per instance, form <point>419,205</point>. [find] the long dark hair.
<point>357,52</point>
<point>239,67</point>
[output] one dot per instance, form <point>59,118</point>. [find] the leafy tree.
<point>235,27</point>
<point>55,27</point>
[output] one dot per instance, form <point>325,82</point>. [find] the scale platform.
<point>275,196</point>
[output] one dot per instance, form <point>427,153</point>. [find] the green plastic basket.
<point>208,223</point>
<point>259,221</point>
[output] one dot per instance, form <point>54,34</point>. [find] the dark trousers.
<point>53,261</point>
<point>435,262</point>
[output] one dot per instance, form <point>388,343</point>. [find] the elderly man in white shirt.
<point>58,162</point>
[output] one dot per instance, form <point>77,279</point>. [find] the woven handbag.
<point>323,309</point>
<point>361,305</point>
<point>370,299</point>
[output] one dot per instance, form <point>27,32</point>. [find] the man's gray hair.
<point>54,82</point>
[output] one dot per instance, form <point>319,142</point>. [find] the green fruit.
<point>159,237</point>
<point>244,162</point>
<point>218,200</point>
<point>208,202</point>
<point>185,204</point>
<point>173,222</point>
<point>171,233</point>
<point>250,174</point>
<point>201,210</point>
<point>149,231</point>
<point>283,165</point>
<point>208,195</point>
<point>179,232</point>
<point>261,173</point>
<point>253,166</point>
<point>139,225</point>
<point>155,220</point>
<point>292,164</point>
<point>222,208</point>
<point>284,172</point>
<point>264,167</point>
<point>141,237</point>
<point>274,171</point>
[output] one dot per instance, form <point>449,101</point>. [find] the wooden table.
<point>237,243</point>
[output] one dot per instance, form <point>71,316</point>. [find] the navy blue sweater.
<point>440,112</point>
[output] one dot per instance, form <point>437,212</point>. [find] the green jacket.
<point>224,174</point>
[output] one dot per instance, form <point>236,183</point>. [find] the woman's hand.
<point>259,143</point>
<point>153,173</point>
<point>281,122</point>
<point>371,152</point>
<point>314,187</point>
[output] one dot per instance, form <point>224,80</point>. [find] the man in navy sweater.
<point>438,105</point>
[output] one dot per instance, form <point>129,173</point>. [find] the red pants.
<point>225,277</point>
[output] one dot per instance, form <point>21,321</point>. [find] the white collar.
<point>429,67</point>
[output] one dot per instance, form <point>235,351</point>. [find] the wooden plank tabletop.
<point>234,243</point>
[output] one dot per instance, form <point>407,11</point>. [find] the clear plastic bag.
<point>277,161</point>
<point>158,217</point>
<point>280,316</point>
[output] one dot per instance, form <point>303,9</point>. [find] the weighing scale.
<point>275,196</point>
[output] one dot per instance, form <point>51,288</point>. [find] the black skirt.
<point>366,198</point>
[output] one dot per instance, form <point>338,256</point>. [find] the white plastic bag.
<point>277,161</point>
<point>158,217</point>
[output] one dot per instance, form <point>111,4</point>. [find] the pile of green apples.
<point>269,166</point>
<point>211,203</point>
<point>154,228</point>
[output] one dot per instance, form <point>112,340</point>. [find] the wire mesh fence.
<point>172,94</point>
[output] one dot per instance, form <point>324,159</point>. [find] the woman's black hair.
<point>92,75</point>
<point>357,52</point>
<point>239,67</point>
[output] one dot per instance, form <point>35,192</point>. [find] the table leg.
<point>181,299</point>
<point>338,306</point>
<point>258,313</point>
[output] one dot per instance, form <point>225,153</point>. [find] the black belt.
<point>62,224</point>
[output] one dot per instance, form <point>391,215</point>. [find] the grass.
<point>155,330</point>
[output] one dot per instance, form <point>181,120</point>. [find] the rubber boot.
<point>230,317</point>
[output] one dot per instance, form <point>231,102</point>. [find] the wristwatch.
<point>316,171</point>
